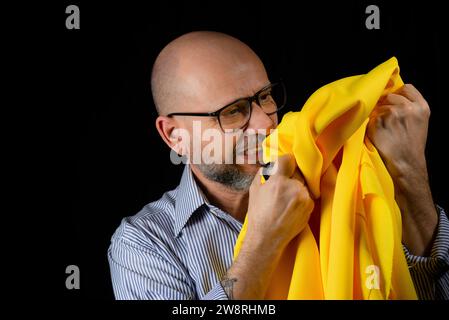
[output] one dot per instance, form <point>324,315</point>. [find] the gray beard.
<point>228,175</point>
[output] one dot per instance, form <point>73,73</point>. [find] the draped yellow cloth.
<point>351,248</point>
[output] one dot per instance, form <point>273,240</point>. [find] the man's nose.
<point>260,120</point>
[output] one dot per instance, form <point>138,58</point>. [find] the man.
<point>181,246</point>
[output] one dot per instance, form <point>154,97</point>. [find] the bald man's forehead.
<point>210,83</point>
<point>208,94</point>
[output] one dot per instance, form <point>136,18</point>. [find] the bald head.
<point>200,71</point>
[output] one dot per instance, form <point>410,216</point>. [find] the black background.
<point>106,160</point>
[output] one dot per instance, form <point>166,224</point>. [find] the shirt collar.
<point>189,198</point>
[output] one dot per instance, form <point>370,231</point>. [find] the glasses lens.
<point>235,116</point>
<point>272,98</point>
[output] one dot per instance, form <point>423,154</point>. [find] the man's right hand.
<point>278,211</point>
<point>280,208</point>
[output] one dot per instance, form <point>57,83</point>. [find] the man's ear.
<point>170,132</point>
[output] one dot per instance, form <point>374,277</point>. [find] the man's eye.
<point>265,96</point>
<point>233,111</point>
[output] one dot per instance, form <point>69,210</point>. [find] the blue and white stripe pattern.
<point>431,274</point>
<point>179,248</point>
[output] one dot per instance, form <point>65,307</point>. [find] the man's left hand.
<point>398,128</point>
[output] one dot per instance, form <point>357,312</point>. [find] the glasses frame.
<point>250,100</point>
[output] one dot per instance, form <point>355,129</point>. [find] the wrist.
<point>416,204</point>
<point>419,216</point>
<point>251,272</point>
<point>411,181</point>
<point>268,243</point>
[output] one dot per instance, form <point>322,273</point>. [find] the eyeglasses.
<point>236,115</point>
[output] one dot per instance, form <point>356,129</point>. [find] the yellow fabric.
<point>359,222</point>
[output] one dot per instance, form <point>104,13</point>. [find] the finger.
<point>257,180</point>
<point>379,110</point>
<point>410,92</point>
<point>395,99</point>
<point>304,193</point>
<point>390,114</point>
<point>298,176</point>
<point>375,122</point>
<point>285,166</point>
<point>383,109</point>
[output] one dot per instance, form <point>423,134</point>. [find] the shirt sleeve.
<point>138,273</point>
<point>431,274</point>
<point>217,293</point>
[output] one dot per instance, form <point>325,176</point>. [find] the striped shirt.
<point>180,247</point>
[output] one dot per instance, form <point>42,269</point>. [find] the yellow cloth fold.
<point>359,254</point>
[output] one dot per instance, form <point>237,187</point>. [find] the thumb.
<point>257,180</point>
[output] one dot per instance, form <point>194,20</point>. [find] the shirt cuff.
<point>217,293</point>
<point>438,261</point>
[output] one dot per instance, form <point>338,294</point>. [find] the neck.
<point>231,201</point>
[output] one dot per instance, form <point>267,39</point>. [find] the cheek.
<point>213,143</point>
<point>228,146</point>
<point>201,133</point>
